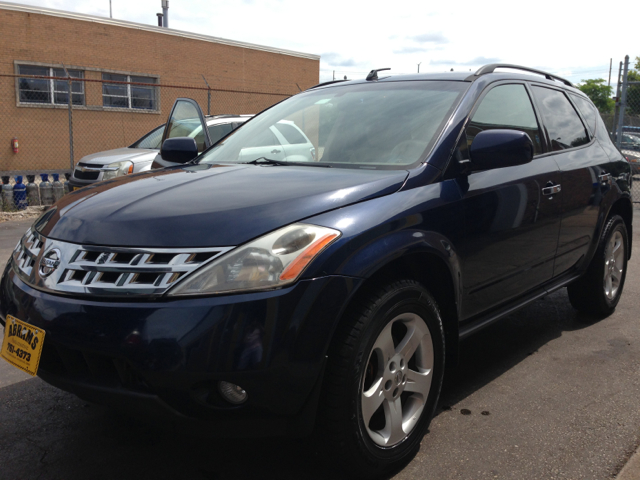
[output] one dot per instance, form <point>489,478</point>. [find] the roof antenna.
<point>373,74</point>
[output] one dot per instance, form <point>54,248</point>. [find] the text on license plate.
<point>22,345</point>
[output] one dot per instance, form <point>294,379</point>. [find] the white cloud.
<point>361,35</point>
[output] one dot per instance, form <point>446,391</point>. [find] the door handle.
<point>605,178</point>
<point>275,150</point>
<point>551,189</point>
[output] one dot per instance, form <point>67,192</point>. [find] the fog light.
<point>232,393</point>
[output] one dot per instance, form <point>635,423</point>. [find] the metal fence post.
<point>208,95</point>
<point>71,163</point>
<point>616,110</point>
<point>623,102</point>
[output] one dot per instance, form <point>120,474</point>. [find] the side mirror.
<point>500,148</point>
<point>179,149</point>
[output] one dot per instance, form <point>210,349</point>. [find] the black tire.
<point>590,294</point>
<point>353,361</point>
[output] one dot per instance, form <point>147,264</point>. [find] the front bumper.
<point>164,358</point>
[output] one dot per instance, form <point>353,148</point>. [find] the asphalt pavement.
<point>542,394</point>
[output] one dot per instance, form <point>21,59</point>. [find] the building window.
<point>49,90</point>
<point>128,95</point>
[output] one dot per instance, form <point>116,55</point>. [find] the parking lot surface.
<point>542,394</point>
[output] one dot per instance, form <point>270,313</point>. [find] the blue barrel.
<point>20,194</point>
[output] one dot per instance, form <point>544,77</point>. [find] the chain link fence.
<point>46,131</point>
<point>50,131</point>
<point>625,122</point>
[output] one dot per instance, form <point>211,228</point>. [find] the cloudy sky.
<point>569,39</point>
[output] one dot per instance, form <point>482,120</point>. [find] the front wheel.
<point>383,379</point>
<point>598,291</point>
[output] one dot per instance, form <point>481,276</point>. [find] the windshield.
<point>388,125</point>
<point>151,140</point>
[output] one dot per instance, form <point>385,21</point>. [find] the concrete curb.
<point>631,471</point>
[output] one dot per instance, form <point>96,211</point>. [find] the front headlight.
<point>275,260</point>
<point>117,169</point>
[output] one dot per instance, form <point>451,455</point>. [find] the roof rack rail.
<point>373,74</point>
<point>326,83</point>
<point>492,66</point>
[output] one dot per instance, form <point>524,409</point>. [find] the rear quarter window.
<point>588,111</point>
<point>561,120</point>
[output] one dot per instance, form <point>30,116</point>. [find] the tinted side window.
<point>506,107</point>
<point>563,123</point>
<point>588,111</point>
<point>216,132</point>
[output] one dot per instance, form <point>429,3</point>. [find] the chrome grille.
<point>98,270</point>
<point>27,251</point>
<point>87,171</point>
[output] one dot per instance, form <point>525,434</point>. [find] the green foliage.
<point>599,93</point>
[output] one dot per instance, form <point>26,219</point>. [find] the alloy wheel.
<point>397,379</point>
<point>613,265</point>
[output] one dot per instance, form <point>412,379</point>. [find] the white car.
<point>283,140</point>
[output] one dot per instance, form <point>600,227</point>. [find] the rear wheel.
<point>598,291</point>
<point>383,379</point>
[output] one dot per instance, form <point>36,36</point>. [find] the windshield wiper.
<point>265,161</point>
<point>271,161</point>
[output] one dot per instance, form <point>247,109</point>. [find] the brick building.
<point>128,76</point>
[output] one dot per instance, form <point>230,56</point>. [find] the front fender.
<point>421,220</point>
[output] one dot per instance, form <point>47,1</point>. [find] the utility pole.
<point>419,67</point>
<point>610,65</point>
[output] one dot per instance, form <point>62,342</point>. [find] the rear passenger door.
<point>585,177</point>
<point>511,214</point>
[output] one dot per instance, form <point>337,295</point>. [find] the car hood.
<point>119,155</point>
<point>208,205</point>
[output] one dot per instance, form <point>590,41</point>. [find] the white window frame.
<point>52,90</point>
<point>129,96</point>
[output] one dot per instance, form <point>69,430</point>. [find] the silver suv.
<point>140,156</point>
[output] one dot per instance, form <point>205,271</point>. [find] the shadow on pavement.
<point>491,352</point>
<point>49,434</point>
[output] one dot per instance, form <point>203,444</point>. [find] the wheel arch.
<point>624,208</point>
<point>430,269</point>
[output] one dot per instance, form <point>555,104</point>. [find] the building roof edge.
<point>150,28</point>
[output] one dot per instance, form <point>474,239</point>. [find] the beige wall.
<point>95,47</point>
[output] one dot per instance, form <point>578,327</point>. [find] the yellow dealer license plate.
<point>22,345</point>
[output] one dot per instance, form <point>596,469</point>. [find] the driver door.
<point>185,120</point>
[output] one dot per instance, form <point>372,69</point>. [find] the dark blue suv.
<point>318,266</point>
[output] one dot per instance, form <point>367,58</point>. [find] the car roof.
<point>488,74</point>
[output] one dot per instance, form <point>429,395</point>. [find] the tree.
<point>599,93</point>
